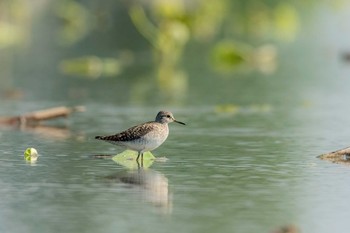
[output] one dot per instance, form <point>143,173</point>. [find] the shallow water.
<point>245,162</point>
<point>244,173</point>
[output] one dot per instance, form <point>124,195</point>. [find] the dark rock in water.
<point>345,56</point>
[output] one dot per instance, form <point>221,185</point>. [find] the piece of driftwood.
<point>33,118</point>
<point>339,156</point>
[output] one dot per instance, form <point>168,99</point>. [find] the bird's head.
<point>166,117</point>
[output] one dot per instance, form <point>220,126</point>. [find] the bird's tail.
<point>110,139</point>
<point>106,138</point>
<point>99,137</point>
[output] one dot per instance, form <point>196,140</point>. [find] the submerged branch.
<point>339,156</point>
<point>33,118</point>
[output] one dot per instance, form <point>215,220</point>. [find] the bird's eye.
<point>168,116</point>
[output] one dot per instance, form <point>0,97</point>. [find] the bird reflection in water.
<point>153,186</point>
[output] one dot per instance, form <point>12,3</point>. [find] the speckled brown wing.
<point>130,134</point>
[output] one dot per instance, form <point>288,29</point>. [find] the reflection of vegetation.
<point>170,25</point>
<point>15,24</point>
<point>168,38</point>
<point>91,66</point>
<point>266,19</point>
<point>177,22</point>
<point>235,109</point>
<point>217,27</point>
<point>227,55</point>
<point>76,22</point>
<point>15,27</point>
<point>286,22</point>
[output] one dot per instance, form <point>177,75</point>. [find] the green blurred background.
<point>178,52</point>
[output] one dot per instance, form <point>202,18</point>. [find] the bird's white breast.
<point>150,141</point>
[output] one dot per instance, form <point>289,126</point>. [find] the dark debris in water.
<point>340,156</point>
<point>287,229</point>
<point>102,156</point>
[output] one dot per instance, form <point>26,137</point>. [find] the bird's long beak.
<point>179,122</point>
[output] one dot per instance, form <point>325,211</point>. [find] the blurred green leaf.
<point>228,55</point>
<point>91,66</point>
<point>76,20</point>
<point>10,34</point>
<point>128,159</point>
<point>208,19</point>
<point>286,21</point>
<point>143,24</point>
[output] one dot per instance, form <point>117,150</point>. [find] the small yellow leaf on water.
<point>31,154</point>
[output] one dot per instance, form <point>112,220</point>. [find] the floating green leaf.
<point>31,154</point>
<point>128,159</point>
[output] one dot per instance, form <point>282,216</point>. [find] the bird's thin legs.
<point>138,155</point>
<point>137,159</point>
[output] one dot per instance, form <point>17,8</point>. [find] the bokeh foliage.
<point>233,36</point>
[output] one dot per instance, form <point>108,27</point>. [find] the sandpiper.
<point>144,137</point>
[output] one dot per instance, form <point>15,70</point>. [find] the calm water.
<point>245,162</point>
<point>243,173</point>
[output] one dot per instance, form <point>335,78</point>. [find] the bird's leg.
<point>138,165</point>
<point>138,155</point>
<point>141,159</point>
